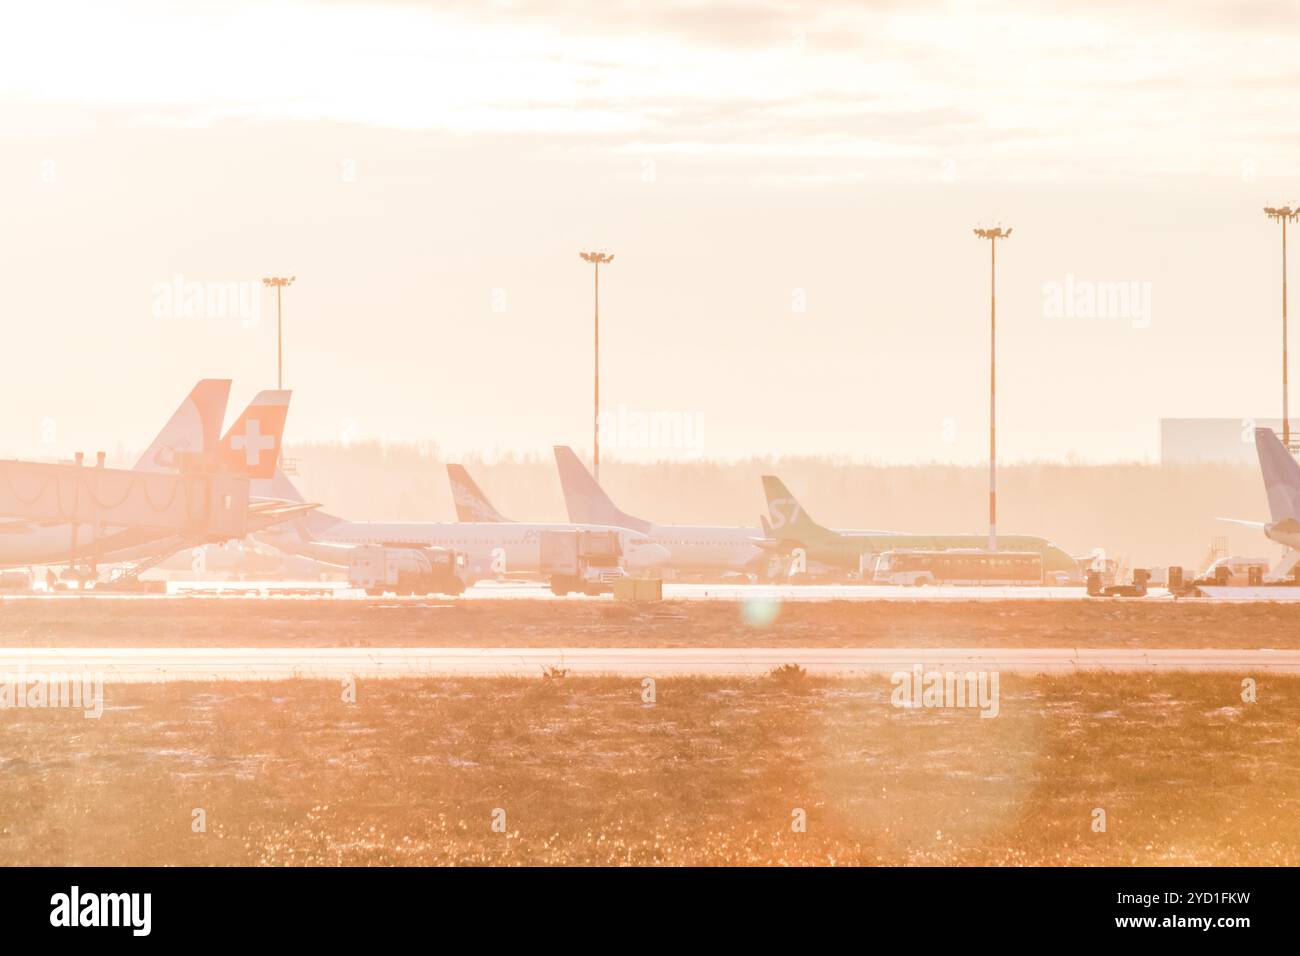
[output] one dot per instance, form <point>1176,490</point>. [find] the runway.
<point>137,665</point>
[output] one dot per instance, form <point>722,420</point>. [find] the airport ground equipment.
<point>638,590</point>
<point>18,580</point>
<point>586,562</point>
<point>405,570</point>
<point>1141,577</point>
<point>125,578</point>
<point>1247,575</point>
<point>67,513</point>
<point>212,504</point>
<point>1236,571</point>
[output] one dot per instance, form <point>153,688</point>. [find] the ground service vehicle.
<point>16,580</point>
<point>406,570</point>
<point>967,566</point>
<point>1235,571</point>
<point>588,562</point>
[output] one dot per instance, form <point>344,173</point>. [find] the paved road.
<point>760,593</point>
<point>172,664</point>
<point>756,593</point>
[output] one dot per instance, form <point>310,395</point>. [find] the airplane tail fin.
<point>585,499</point>
<point>252,445</point>
<point>471,504</point>
<point>1281,476</point>
<point>787,517</point>
<point>189,439</point>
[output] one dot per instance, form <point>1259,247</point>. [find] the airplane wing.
<point>262,514</point>
<point>265,514</point>
<point>1242,521</point>
<point>272,505</point>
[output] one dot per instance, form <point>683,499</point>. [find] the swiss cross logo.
<point>252,442</point>
<point>252,446</point>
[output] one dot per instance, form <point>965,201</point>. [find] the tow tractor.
<point>406,570</point>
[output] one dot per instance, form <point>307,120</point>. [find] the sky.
<point>789,190</point>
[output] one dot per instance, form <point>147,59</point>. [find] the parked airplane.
<point>695,549</point>
<point>246,559</point>
<point>189,439</point>
<point>251,447</point>
<point>792,527</point>
<point>186,442</point>
<point>471,503</point>
<point>1281,474</point>
<point>1282,484</point>
<point>493,549</point>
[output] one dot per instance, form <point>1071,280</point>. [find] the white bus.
<point>965,566</point>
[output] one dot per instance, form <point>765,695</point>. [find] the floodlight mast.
<point>597,259</point>
<point>279,283</point>
<point>993,235</point>
<point>1284,214</point>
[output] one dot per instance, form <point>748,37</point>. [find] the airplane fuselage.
<point>845,550</point>
<point>698,549</point>
<point>492,549</point>
<point>1289,537</point>
<point>23,544</point>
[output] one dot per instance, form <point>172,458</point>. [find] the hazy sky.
<point>789,189</point>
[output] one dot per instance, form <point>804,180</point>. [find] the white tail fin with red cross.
<point>252,445</point>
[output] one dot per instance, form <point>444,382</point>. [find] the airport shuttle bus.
<point>962,567</point>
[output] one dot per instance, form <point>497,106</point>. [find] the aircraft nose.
<point>647,555</point>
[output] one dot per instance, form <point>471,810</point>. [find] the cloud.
<point>1080,88</point>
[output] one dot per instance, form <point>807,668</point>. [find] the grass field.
<point>234,622</point>
<point>712,772</point>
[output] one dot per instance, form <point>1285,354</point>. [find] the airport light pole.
<point>1284,214</point>
<point>278,283</point>
<point>993,235</point>
<point>597,259</point>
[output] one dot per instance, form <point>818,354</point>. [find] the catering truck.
<point>586,562</point>
<point>383,569</point>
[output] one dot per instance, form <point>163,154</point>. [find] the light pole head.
<point>597,258</point>
<point>280,281</point>
<point>1282,213</point>
<point>996,232</point>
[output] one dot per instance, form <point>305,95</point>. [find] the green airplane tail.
<point>787,517</point>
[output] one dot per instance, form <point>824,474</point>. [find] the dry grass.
<point>233,622</point>
<point>710,773</point>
